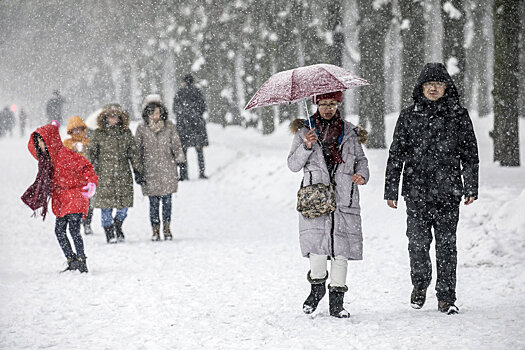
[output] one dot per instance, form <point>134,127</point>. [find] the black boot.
<point>72,264</point>
<point>82,266</point>
<point>316,294</point>
<point>118,230</point>
<point>110,234</point>
<point>335,297</point>
<point>183,175</point>
<point>87,229</point>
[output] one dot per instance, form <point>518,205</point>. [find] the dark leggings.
<point>74,230</point>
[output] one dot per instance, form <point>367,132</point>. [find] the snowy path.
<point>233,278</point>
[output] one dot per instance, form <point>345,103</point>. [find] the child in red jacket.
<point>69,180</point>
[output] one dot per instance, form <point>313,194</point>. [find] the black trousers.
<point>184,166</point>
<point>443,217</point>
<point>74,229</point>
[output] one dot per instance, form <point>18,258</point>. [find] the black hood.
<point>435,72</point>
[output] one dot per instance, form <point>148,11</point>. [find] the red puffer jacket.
<point>71,172</point>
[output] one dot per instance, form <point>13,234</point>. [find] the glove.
<point>139,179</point>
<point>90,190</point>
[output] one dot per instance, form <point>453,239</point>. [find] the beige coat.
<point>159,152</point>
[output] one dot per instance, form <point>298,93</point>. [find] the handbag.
<point>316,200</point>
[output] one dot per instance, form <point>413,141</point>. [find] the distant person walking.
<point>160,150</point>
<point>22,121</point>
<point>435,147</point>
<point>54,107</point>
<point>7,121</point>
<point>189,106</point>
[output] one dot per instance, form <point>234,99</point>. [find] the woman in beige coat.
<point>160,150</point>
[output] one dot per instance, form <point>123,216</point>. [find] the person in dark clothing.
<point>7,121</point>
<point>189,106</point>
<point>435,146</point>
<point>22,121</point>
<point>54,107</point>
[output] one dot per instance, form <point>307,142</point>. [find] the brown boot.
<point>167,231</point>
<point>156,233</point>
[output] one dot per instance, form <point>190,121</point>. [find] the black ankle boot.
<point>82,266</point>
<point>335,297</point>
<point>316,294</point>
<point>72,264</point>
<point>110,234</point>
<point>118,230</point>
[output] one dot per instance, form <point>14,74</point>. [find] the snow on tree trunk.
<point>374,23</point>
<point>506,86</point>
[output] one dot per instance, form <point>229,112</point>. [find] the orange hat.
<point>336,95</point>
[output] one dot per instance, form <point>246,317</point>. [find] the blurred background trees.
<point>97,52</point>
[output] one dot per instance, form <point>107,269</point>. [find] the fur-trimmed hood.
<point>113,110</point>
<point>297,124</point>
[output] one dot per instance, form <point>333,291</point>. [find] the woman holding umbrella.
<point>328,150</point>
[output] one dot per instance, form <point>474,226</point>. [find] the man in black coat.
<point>435,147</point>
<point>189,106</point>
<point>54,107</point>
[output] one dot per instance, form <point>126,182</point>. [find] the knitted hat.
<point>336,95</point>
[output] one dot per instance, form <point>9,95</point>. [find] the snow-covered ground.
<point>234,278</point>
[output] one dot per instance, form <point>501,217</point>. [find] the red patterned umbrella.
<point>301,83</point>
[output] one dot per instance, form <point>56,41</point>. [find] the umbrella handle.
<point>307,113</point>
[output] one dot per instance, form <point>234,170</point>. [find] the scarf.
<point>328,133</point>
<point>38,194</point>
<point>156,127</point>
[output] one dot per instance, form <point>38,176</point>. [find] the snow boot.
<point>335,298</point>
<point>72,264</point>
<point>82,267</point>
<point>447,307</point>
<point>118,230</point>
<point>110,234</point>
<point>418,297</point>
<point>156,232</point>
<point>167,231</point>
<point>316,294</point>
<point>87,229</point>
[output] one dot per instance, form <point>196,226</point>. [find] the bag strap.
<point>302,181</point>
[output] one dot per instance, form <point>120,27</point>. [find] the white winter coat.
<point>338,233</point>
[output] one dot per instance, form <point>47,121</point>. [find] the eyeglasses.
<point>328,105</point>
<point>436,85</point>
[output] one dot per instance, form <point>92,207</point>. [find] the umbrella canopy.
<point>298,83</point>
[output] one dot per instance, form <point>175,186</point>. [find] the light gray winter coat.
<point>338,233</point>
<point>160,152</point>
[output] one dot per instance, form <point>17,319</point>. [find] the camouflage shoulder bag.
<point>316,200</point>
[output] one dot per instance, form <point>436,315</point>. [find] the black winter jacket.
<point>189,106</point>
<point>435,146</point>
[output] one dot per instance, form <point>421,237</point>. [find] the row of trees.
<point>133,48</point>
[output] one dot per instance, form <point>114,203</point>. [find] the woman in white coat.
<point>330,151</point>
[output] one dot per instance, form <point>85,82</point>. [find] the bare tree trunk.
<point>413,39</point>
<point>506,86</point>
<point>453,14</point>
<point>335,26</point>
<point>374,23</point>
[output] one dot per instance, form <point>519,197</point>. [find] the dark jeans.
<point>74,230</point>
<point>421,218</point>
<point>154,206</point>
<point>184,166</point>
